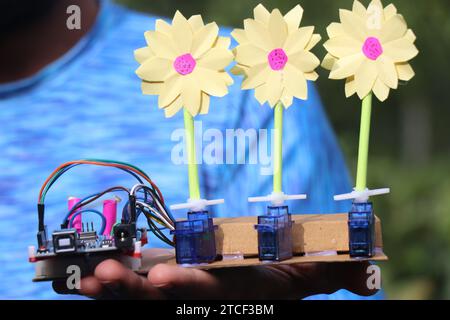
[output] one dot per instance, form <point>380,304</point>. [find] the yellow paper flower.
<point>184,64</point>
<point>274,55</point>
<point>370,48</point>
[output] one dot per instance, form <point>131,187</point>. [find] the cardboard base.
<point>168,256</point>
<point>315,237</point>
<point>311,233</point>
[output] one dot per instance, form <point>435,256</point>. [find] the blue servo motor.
<point>195,241</point>
<point>361,227</point>
<point>275,234</point>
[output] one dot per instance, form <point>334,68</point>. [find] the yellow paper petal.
<point>315,39</point>
<point>256,76</point>
<point>196,22</point>
<point>216,59</point>
<point>161,45</point>
<point>226,78</point>
<point>163,27</point>
<point>359,9</point>
<point>365,78</point>
<point>387,72</point>
<point>376,3</point>
<point>350,87</point>
<point>286,99</point>
<point>390,11</point>
<point>410,36</point>
<point>293,18</point>
<point>261,13</point>
<point>277,28</point>
<point>204,109</point>
<point>401,50</point>
<point>298,40</point>
<point>347,66</point>
<point>239,70</point>
<point>311,76</point>
<point>335,29</point>
<point>405,71</point>
<point>258,34</point>
<point>239,35</point>
<point>173,108</point>
<point>353,25</point>
<point>182,33</point>
<point>223,42</point>
<point>295,82</point>
<point>393,29</point>
<point>381,90</point>
<point>151,88</point>
<point>211,82</point>
<point>250,55</point>
<point>156,69</point>
<point>328,62</point>
<point>261,94</point>
<point>171,89</point>
<point>375,16</point>
<point>191,95</point>
<point>204,39</point>
<point>143,54</point>
<point>305,61</point>
<point>274,88</point>
<point>342,46</point>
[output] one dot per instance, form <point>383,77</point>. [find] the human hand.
<point>112,280</point>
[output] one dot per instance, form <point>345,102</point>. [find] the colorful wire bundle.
<point>150,201</point>
<point>58,172</point>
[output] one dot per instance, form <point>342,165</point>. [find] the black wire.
<point>155,196</point>
<point>161,237</point>
<point>155,230</point>
<point>126,207</point>
<point>159,234</point>
<point>86,202</point>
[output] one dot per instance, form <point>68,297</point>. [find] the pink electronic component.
<point>77,223</point>
<point>110,213</point>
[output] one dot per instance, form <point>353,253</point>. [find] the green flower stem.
<point>363,151</point>
<point>194,187</point>
<point>278,148</point>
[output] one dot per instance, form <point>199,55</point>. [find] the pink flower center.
<point>277,59</point>
<point>372,48</point>
<point>184,64</point>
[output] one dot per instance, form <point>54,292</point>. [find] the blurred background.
<point>410,141</point>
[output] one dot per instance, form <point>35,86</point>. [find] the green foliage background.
<point>410,145</point>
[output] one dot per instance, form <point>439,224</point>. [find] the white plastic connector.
<point>137,249</point>
<point>277,198</point>
<point>361,196</point>
<point>31,253</point>
<point>196,205</point>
